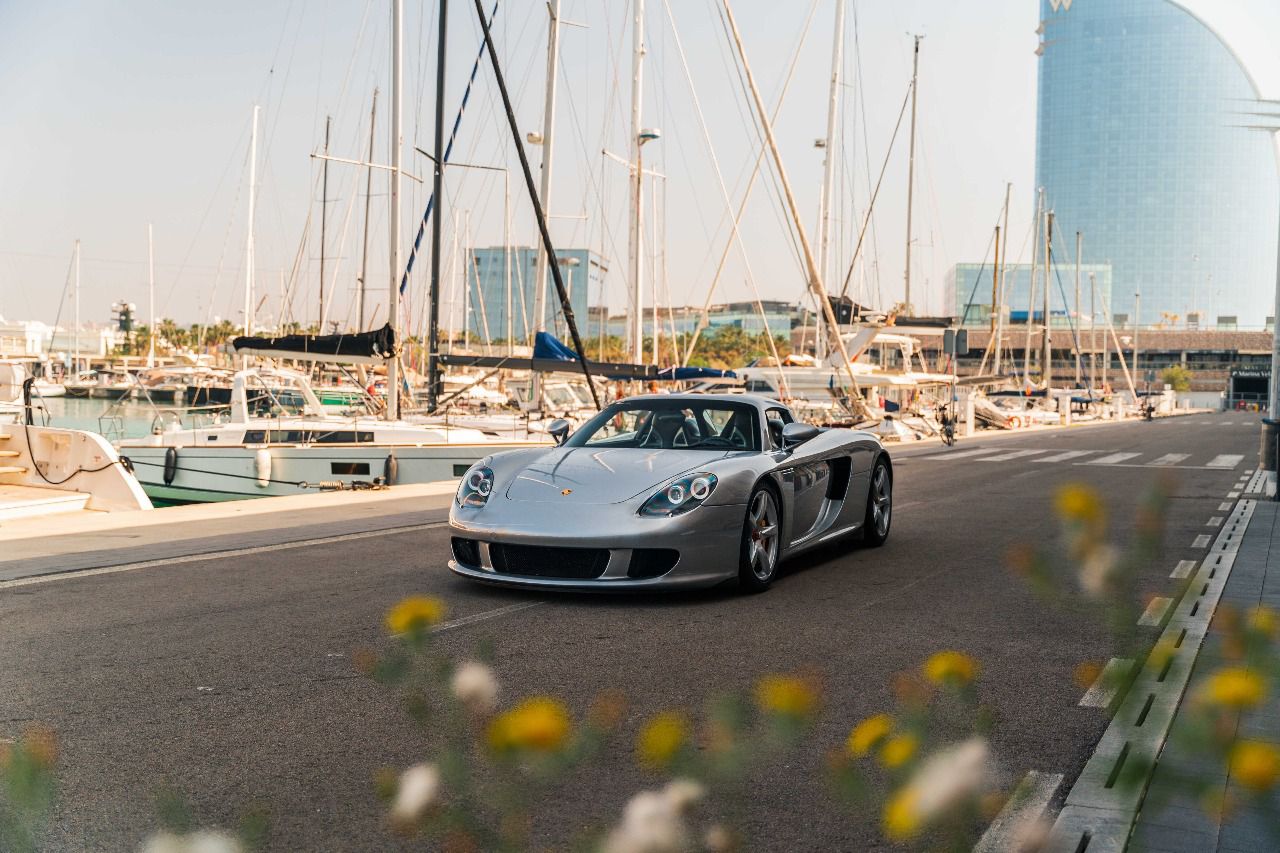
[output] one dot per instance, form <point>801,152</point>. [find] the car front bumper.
<point>707,541</point>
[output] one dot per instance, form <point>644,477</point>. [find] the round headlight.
<point>700,488</point>
<point>479,482</point>
<point>675,494</point>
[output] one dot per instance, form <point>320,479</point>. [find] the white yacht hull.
<point>201,474</point>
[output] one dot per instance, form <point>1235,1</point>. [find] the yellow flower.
<point>787,695</point>
<point>901,819</point>
<point>415,612</point>
<point>1235,687</point>
<point>1078,503</point>
<point>1255,765</point>
<point>539,724</point>
<point>661,738</point>
<point>950,667</point>
<point>1263,620</point>
<point>898,750</point>
<point>868,733</point>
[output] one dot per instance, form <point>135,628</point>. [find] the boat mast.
<point>816,285</point>
<point>1002,292</point>
<point>1079,357</point>
<point>544,187</point>
<point>75,368</point>
<point>911,169</point>
<point>634,251</point>
<point>1046,367</point>
<point>828,151</point>
<point>248,252</point>
<point>368,195</point>
<point>324,214</point>
<point>393,304</point>
<point>1031,293</point>
<point>151,298</point>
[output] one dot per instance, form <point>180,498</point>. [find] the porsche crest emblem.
<point>567,492</point>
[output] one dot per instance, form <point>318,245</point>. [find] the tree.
<point>1176,377</point>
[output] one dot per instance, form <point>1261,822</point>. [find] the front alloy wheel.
<point>761,532</point>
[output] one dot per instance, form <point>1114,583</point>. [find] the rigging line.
<point>978,278</point>
<point>736,235</point>
<point>453,135</point>
<point>866,156</point>
<point>62,300</point>
<point>871,205</point>
<point>1057,271</point>
<point>742,206</point>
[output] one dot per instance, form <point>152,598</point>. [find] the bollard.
<point>1064,410</point>
<point>1267,450</point>
<point>969,416</point>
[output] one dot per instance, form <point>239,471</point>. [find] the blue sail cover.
<point>547,345</point>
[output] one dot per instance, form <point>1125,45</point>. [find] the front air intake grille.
<point>466,551</point>
<point>539,562</point>
<point>652,562</point>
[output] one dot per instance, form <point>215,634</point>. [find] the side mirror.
<point>559,430</point>
<point>797,433</point>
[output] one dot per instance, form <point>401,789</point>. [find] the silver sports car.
<point>677,490</point>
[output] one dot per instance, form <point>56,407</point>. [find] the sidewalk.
<point>1169,821</point>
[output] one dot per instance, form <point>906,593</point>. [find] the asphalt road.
<point>231,679</point>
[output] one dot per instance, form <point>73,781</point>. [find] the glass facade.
<point>583,272</point>
<point>970,288</point>
<point>1141,147</point>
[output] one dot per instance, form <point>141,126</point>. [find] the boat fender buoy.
<point>170,465</point>
<point>1015,422</point>
<point>262,467</point>
<point>391,470</point>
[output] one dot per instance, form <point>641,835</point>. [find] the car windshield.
<point>675,424</point>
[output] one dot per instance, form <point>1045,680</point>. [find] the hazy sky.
<point>116,115</point>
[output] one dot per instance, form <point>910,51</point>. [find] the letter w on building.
<point>1059,5</point>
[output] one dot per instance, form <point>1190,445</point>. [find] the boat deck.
<point>25,502</point>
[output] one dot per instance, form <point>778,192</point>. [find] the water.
<point>115,420</point>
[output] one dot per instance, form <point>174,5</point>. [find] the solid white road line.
<point>1170,459</point>
<point>1012,454</point>
<point>1026,805</point>
<point>1216,521</point>
<point>1154,614</point>
<point>1112,459</point>
<point>215,555</point>
<point>1184,569</point>
<point>1201,541</point>
<point>1226,460</point>
<point>1066,455</point>
<point>1108,682</point>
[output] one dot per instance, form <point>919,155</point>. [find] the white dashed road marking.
<point>1225,506</point>
<point>1108,682</point>
<point>1154,614</point>
<point>1216,521</point>
<point>1184,569</point>
<point>1112,459</point>
<point>1170,459</point>
<point>1202,541</point>
<point>1012,454</point>
<point>1026,805</point>
<point>1226,460</point>
<point>1066,455</point>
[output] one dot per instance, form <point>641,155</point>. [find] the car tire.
<point>879,515</point>
<point>761,549</point>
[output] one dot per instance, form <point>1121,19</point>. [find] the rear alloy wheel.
<point>761,538</point>
<point>875,526</point>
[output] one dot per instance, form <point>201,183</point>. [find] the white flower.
<point>212,842</point>
<point>201,841</point>
<point>165,842</point>
<point>419,786</point>
<point>948,776</point>
<point>475,686</point>
<point>683,793</point>
<point>1096,568</point>
<point>651,822</point>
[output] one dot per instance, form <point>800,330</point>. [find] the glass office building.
<point>1141,146</point>
<point>502,277</point>
<point>970,289</point>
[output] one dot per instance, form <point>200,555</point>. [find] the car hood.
<point>582,475</point>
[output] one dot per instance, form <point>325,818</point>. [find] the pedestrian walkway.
<point>1048,455</point>
<point>1170,821</point>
